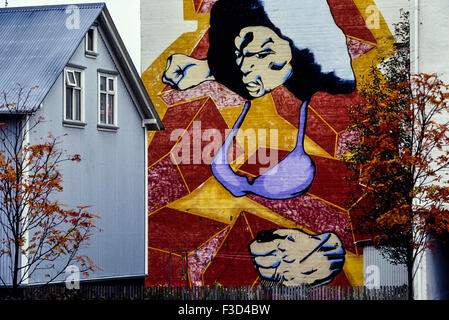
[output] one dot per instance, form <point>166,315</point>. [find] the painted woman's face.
<point>264,58</point>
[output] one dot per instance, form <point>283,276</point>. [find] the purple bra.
<point>291,177</point>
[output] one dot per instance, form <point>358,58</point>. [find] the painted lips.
<point>254,87</point>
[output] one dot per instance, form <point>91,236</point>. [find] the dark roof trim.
<point>75,66</point>
<point>130,75</point>
<point>110,72</point>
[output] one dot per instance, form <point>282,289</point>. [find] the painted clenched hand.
<point>184,72</point>
<point>294,258</point>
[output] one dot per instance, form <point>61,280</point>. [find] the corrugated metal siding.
<point>35,46</point>
<point>390,275</point>
<point>110,178</point>
<point>5,264</point>
<point>8,130</point>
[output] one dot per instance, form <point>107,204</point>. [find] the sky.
<point>164,25</point>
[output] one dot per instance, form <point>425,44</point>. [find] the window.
<point>91,42</point>
<point>73,95</point>
<point>107,100</point>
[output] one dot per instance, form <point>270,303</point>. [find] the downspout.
<point>146,203</point>
<point>420,280</point>
<point>24,257</point>
<point>416,39</point>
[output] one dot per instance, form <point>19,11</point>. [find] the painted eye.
<point>263,54</point>
<point>238,54</point>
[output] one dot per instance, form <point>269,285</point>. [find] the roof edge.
<point>100,6</point>
<point>52,7</point>
<point>144,103</point>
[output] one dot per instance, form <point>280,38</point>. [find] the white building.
<point>428,25</point>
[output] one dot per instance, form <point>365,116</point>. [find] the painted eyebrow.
<point>248,38</point>
<point>277,66</point>
<point>267,41</point>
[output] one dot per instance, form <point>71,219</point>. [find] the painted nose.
<point>246,66</point>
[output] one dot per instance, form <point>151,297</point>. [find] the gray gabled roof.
<point>36,43</point>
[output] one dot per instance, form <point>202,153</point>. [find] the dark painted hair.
<point>228,18</point>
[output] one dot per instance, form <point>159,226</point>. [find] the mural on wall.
<point>246,185</point>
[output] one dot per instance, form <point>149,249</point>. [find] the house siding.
<point>111,175</point>
<point>378,271</point>
<point>8,132</point>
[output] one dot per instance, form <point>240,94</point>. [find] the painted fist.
<point>184,72</point>
<point>293,258</point>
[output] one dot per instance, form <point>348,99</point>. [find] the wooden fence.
<point>138,292</point>
<point>277,293</point>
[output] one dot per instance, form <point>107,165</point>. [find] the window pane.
<point>111,84</point>
<point>102,108</point>
<point>78,78</point>
<point>103,83</point>
<point>77,105</point>
<point>69,103</point>
<point>111,109</point>
<point>90,40</point>
<point>70,78</point>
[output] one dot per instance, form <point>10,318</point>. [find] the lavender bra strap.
<point>291,177</point>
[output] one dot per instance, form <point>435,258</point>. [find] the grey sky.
<point>164,22</point>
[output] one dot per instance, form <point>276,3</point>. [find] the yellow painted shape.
<point>314,149</point>
<point>152,77</point>
<point>211,200</point>
<point>189,11</point>
<point>150,136</point>
<point>353,269</point>
<point>384,47</point>
<point>263,115</point>
<point>230,114</point>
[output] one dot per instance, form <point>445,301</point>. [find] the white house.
<point>90,91</point>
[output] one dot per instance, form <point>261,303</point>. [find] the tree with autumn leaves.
<point>402,157</point>
<point>37,232</point>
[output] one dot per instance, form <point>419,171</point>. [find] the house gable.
<point>38,42</point>
<point>111,175</point>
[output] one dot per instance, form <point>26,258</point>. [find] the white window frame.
<point>69,82</point>
<point>108,92</point>
<point>94,52</point>
<point>77,86</point>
